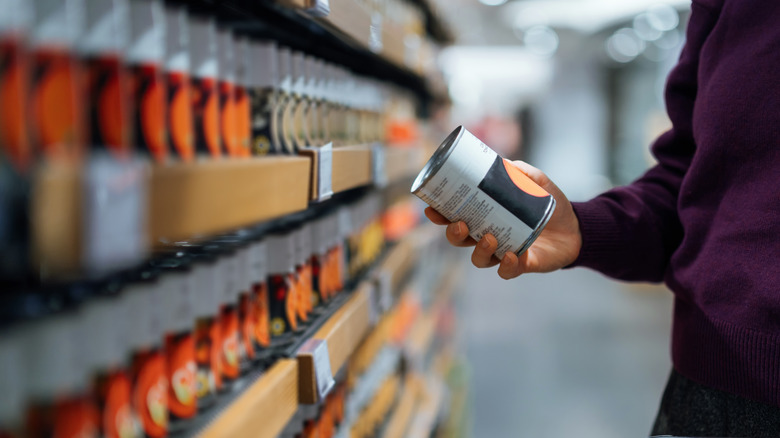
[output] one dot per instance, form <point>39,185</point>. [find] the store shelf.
<point>351,167</point>
<point>264,408</point>
<point>342,332</point>
<point>431,396</point>
<point>293,28</point>
<point>206,198</point>
<point>402,163</point>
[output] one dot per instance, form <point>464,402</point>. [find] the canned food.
<point>467,181</point>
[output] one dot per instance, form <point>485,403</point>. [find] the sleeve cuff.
<point>600,238</point>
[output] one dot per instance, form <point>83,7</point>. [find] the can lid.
<point>106,28</point>
<point>226,56</point>
<point>285,69</point>
<point>265,64</point>
<point>17,16</point>
<point>147,32</point>
<point>203,47</point>
<point>57,22</point>
<point>177,55</point>
<point>12,378</point>
<point>438,159</point>
<point>243,64</point>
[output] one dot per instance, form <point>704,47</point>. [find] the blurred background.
<point>575,87</point>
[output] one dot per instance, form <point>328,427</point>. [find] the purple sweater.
<point>706,219</point>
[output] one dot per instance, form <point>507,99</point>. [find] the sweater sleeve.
<point>629,233</point>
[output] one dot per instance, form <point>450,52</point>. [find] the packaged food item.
<point>283,300</point>
<point>12,382</point>
<point>146,58</point>
<point>299,277</point>
<point>246,317</point>
<point>231,289</point>
<point>466,180</point>
<point>243,114</point>
<point>108,320</point>
<point>177,282</point>
<point>181,133</point>
<point>295,127</point>
<point>146,298</point>
<point>315,135</point>
<point>260,297</point>
<point>227,98</point>
<point>57,119</point>
<point>285,104</point>
<point>318,261</point>
<point>60,403</point>
<point>205,87</point>
<point>208,339</point>
<point>15,25</point>
<point>265,93</point>
<point>312,300</point>
<point>102,47</point>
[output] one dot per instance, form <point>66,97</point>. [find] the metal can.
<point>467,181</point>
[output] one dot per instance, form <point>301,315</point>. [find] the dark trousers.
<point>689,409</point>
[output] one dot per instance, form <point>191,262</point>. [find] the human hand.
<point>557,246</point>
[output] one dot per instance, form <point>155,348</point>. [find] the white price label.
<point>378,164</point>
<point>318,348</point>
<point>115,214</point>
<point>325,186</point>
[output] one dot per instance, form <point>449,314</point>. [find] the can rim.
<point>438,159</point>
<point>539,228</point>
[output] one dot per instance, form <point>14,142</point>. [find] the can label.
<point>149,98</point>
<point>14,137</point>
<point>57,120</point>
<point>247,320</point>
<point>182,401</point>
<point>117,419</point>
<point>208,358</point>
<point>205,102</point>
<point>180,123</point>
<point>227,121</point>
<point>262,321</point>
<point>230,328</point>
<point>243,120</point>
<point>283,304</point>
<point>263,103</point>
<point>150,393</point>
<point>107,93</point>
<point>474,185</point>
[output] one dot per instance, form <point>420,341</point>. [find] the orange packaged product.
<point>205,87</point>
<point>57,119</point>
<point>57,378</point>
<point>227,98</point>
<point>229,324</point>
<point>243,112</point>
<point>300,282</point>
<point>149,368</point>
<point>181,134</point>
<point>177,282</point>
<point>107,88</point>
<point>14,84</point>
<point>208,335</point>
<point>283,300</point>
<point>145,57</point>
<point>261,325</point>
<point>109,322</point>
<point>246,318</point>
<point>265,94</point>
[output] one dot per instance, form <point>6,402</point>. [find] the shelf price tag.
<point>318,8</point>
<point>325,172</point>
<point>378,164</point>
<point>115,216</point>
<point>317,351</point>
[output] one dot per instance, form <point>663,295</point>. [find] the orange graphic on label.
<point>522,181</point>
<point>150,393</point>
<point>180,350</point>
<point>14,140</point>
<point>180,118</point>
<point>262,321</point>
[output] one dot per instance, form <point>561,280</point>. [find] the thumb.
<point>539,178</point>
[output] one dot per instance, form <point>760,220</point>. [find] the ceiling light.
<point>492,2</point>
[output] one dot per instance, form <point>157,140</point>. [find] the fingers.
<point>458,235</point>
<point>511,266</point>
<point>535,174</point>
<point>483,257</point>
<point>435,217</point>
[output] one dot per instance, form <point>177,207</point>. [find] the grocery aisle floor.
<point>569,354</point>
